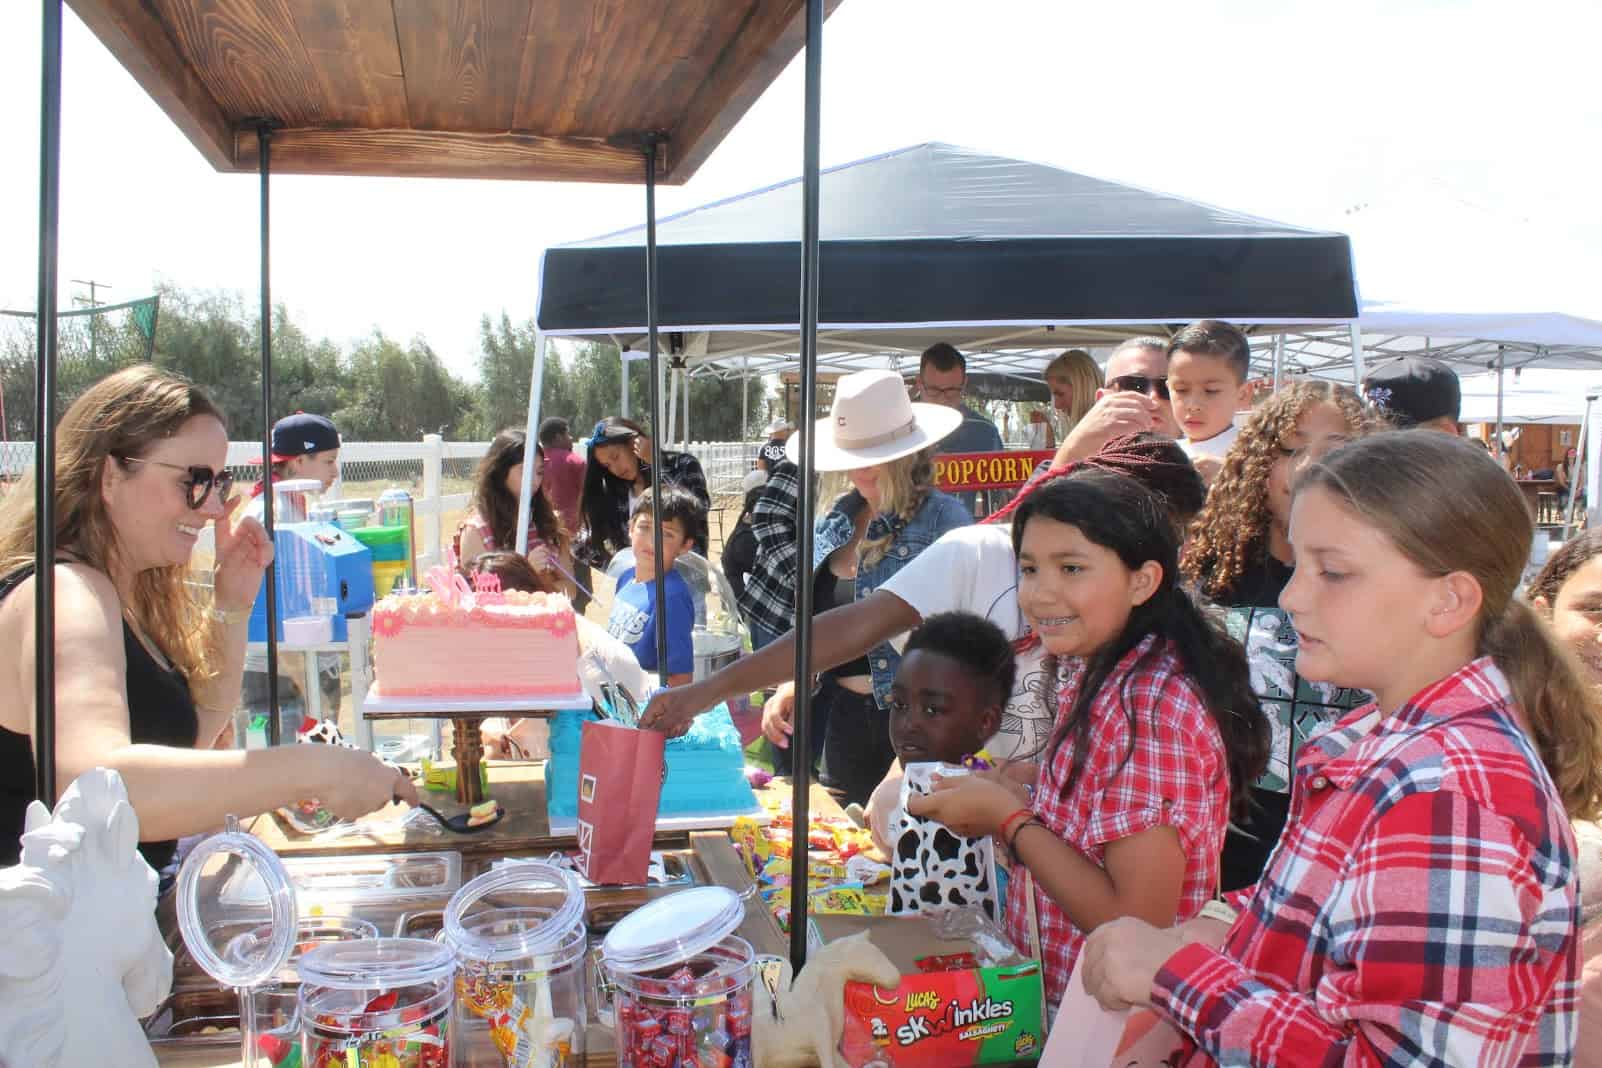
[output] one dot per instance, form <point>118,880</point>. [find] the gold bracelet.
<point>228,618</point>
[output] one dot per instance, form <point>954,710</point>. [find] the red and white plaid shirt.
<point>1420,907</point>
<point>1175,775</point>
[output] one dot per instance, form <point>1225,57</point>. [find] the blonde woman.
<point>880,443</point>
<point>146,676</point>
<point>1074,381</point>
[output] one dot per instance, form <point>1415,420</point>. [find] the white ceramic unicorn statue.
<point>82,959</point>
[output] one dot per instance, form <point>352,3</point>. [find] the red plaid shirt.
<point>1175,775</point>
<point>1420,907</point>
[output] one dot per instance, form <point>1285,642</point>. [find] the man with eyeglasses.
<point>942,379</point>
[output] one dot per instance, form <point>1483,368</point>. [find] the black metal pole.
<point>264,136</point>
<point>801,740</point>
<point>44,434</point>
<point>660,582</point>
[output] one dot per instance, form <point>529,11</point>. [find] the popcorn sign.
<point>965,471</point>
<point>952,1018</point>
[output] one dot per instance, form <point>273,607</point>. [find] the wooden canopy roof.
<point>553,90</point>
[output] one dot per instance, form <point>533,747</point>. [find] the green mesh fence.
<point>90,344</point>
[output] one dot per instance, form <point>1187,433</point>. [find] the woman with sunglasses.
<point>147,675</point>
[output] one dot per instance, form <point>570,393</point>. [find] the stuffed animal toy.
<point>799,1024</point>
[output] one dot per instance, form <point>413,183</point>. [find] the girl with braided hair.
<point>1240,557</point>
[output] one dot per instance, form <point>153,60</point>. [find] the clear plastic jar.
<point>380,1001</point>
<point>682,982</point>
<point>277,1021</point>
<point>520,943</point>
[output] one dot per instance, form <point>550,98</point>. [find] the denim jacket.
<point>939,513</point>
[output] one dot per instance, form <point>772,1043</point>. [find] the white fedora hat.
<point>872,422</point>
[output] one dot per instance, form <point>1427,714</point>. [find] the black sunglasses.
<point>200,480</point>
<point>1141,384</point>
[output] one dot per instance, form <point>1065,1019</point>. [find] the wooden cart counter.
<point>525,829</point>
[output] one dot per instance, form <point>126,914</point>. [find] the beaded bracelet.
<point>1004,831</point>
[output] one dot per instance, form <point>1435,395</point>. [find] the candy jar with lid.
<point>681,982</point>
<point>210,920</point>
<point>520,943</point>
<point>379,1001</point>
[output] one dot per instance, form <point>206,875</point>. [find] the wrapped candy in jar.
<point>682,982</point>
<point>520,943</point>
<point>277,993</point>
<point>380,1001</point>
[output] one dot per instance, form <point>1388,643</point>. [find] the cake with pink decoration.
<point>453,643</point>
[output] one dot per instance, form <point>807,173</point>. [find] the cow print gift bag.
<point>934,869</point>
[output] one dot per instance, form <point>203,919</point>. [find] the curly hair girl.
<point>1236,527</point>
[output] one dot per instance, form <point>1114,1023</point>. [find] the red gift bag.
<point>620,786</point>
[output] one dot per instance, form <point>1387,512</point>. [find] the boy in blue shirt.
<point>633,617</point>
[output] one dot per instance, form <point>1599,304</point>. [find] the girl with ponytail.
<point>1157,733</point>
<point>1421,905</point>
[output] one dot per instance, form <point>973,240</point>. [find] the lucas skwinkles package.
<point>945,1019</point>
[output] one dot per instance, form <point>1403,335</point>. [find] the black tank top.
<point>161,711</point>
<point>832,591</point>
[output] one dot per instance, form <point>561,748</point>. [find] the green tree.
<point>400,393</point>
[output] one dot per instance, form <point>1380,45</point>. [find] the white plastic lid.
<point>531,882</point>
<point>673,929</point>
<point>377,964</point>
<point>208,926</point>
<point>298,485</point>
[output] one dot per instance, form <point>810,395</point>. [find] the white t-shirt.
<point>1217,445</point>
<point>973,569</point>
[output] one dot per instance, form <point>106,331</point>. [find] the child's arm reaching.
<point>1143,877</point>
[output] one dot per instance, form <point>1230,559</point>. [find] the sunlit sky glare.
<point>1459,142</point>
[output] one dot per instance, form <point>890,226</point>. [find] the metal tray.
<point>211,1017</point>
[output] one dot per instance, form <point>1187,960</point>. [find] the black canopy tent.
<point>935,242</point>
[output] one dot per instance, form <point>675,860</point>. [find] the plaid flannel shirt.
<point>1420,908</point>
<point>769,595</point>
<point>1175,775</point>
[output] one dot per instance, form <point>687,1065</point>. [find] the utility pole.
<point>93,303</point>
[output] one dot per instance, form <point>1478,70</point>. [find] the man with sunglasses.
<point>1134,401</point>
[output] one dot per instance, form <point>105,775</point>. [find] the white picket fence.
<point>437,473</point>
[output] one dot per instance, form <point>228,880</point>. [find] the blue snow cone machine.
<point>322,572</point>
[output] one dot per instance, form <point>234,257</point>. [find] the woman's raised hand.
<point>243,553</point>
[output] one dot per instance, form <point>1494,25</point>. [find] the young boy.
<point>1208,363</point>
<point>634,609</point>
<point>955,677</point>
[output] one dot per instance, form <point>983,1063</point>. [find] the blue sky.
<point>1460,143</point>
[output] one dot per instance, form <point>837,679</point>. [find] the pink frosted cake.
<point>486,644</point>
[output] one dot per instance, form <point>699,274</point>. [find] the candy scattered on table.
<point>842,863</point>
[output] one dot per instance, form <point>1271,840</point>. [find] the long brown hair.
<point>122,415</point>
<point>497,505</point>
<point>1447,506</point>
<point>1231,534</point>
